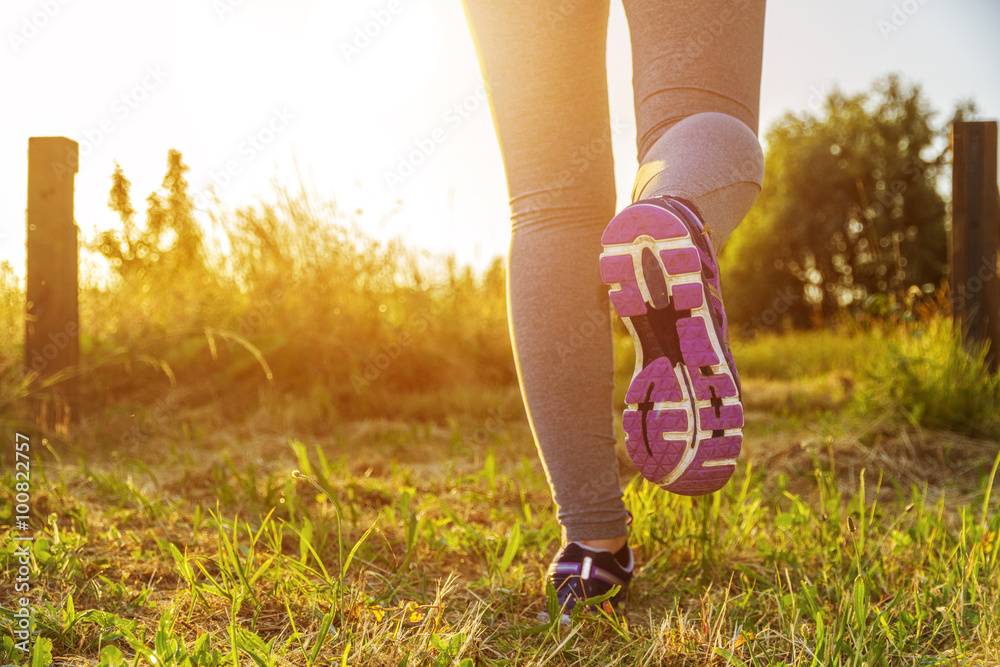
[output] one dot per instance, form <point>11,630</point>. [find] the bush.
<point>288,300</point>
<point>925,373</point>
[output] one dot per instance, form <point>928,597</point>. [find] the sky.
<point>340,95</point>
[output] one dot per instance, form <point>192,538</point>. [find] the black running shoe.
<point>579,573</point>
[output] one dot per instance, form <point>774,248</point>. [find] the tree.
<point>849,209</point>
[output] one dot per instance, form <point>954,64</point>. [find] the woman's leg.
<point>696,77</point>
<point>696,80</point>
<point>543,62</point>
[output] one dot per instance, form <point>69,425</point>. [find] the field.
<point>253,486</point>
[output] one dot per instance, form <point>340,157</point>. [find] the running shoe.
<point>579,573</point>
<point>683,417</point>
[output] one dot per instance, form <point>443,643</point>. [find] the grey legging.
<point>696,79</point>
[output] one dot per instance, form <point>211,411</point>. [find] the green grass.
<point>425,544</point>
<point>806,354</point>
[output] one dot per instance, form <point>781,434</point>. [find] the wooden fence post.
<point>51,342</point>
<point>975,234</point>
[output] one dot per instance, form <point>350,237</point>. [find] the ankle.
<point>613,544</point>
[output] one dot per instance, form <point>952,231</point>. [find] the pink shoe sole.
<point>683,419</point>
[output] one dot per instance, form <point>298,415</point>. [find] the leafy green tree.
<point>850,209</point>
